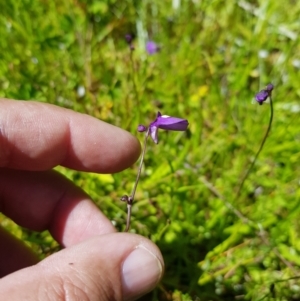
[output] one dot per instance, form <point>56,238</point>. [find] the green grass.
<point>215,55</point>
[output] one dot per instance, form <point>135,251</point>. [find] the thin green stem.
<point>132,195</point>
<point>141,165</point>
<point>128,217</point>
<point>134,84</point>
<point>258,152</point>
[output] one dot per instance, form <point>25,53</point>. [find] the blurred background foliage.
<point>215,55</point>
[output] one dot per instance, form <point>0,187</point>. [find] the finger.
<point>14,255</point>
<point>39,136</point>
<point>47,200</point>
<point>116,266</point>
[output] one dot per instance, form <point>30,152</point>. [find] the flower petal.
<point>262,96</point>
<point>153,133</point>
<point>174,124</point>
<point>171,123</point>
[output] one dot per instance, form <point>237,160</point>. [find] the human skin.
<point>97,263</point>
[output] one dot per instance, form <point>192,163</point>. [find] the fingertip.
<point>111,149</point>
<point>38,136</point>
<point>115,266</point>
<point>141,272</point>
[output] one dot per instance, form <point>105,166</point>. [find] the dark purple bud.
<point>130,200</point>
<point>129,38</point>
<point>141,128</point>
<point>124,198</point>
<point>127,199</point>
<point>152,47</point>
<point>270,87</point>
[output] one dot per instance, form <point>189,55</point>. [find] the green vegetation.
<point>215,55</point>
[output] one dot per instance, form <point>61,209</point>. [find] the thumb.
<point>116,266</point>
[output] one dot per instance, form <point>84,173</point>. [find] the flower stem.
<point>134,84</point>
<point>259,150</point>
<point>132,195</point>
<point>128,216</point>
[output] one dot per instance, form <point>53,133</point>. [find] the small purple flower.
<point>152,47</point>
<point>165,122</point>
<point>262,95</point>
<point>161,122</point>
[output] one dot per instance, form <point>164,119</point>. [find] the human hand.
<point>97,263</point>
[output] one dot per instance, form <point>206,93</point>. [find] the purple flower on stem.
<point>260,98</point>
<point>264,94</point>
<point>152,47</point>
<point>166,122</point>
<point>163,122</point>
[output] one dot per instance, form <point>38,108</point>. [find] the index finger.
<point>37,136</point>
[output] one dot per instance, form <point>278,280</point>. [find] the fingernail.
<point>141,272</point>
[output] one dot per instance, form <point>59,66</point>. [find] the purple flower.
<point>152,47</point>
<point>165,122</point>
<point>262,95</point>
